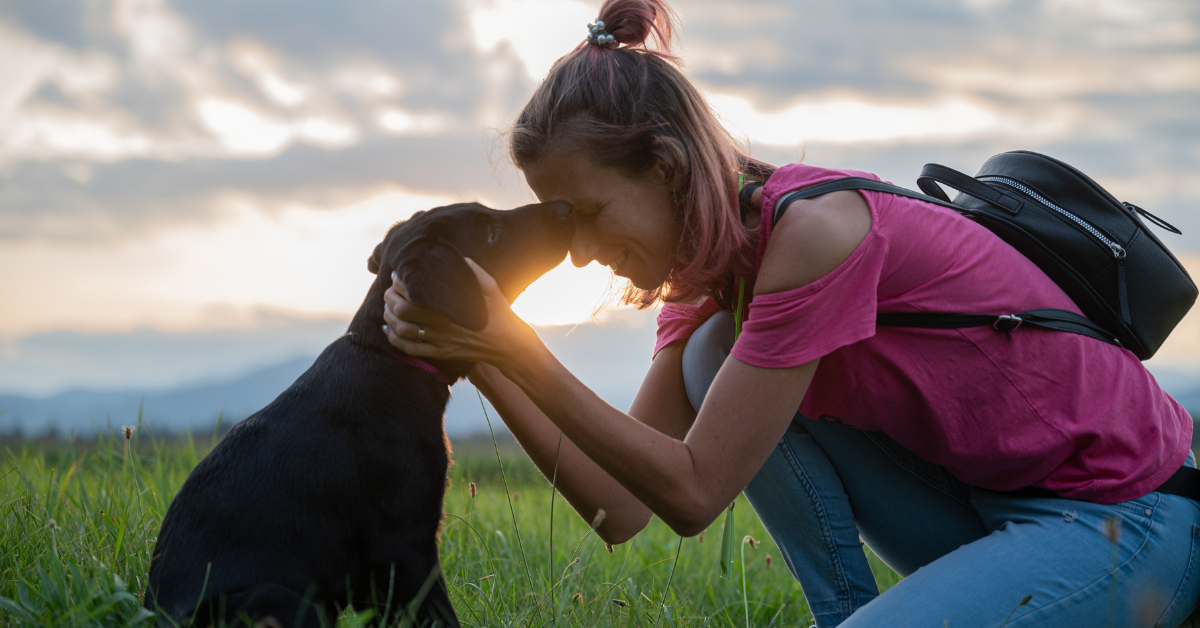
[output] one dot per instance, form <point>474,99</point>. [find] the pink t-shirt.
<point>999,411</point>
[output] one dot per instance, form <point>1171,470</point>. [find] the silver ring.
<point>420,334</point>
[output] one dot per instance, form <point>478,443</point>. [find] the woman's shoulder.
<point>813,237</point>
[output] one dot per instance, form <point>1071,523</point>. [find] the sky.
<point>191,188</point>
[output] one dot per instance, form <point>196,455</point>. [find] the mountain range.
<point>610,358</point>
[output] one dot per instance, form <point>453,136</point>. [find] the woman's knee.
<point>704,354</point>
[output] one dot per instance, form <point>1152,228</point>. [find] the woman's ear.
<point>661,174</point>
<point>670,161</point>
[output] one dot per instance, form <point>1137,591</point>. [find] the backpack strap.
<point>1185,483</point>
<point>1045,318</point>
<point>854,183</point>
<point>932,174</point>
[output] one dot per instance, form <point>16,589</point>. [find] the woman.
<point>922,433</point>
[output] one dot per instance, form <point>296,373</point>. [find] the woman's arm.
<point>660,403</point>
<point>688,481</point>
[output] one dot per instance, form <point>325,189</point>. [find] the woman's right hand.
<point>424,333</point>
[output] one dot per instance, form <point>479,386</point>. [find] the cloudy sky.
<point>192,187</point>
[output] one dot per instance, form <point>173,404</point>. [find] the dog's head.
<point>514,246</point>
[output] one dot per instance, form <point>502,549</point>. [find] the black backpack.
<point>1096,248</point>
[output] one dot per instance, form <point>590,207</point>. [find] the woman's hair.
<point>630,107</point>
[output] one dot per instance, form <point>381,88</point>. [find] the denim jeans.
<point>968,555</point>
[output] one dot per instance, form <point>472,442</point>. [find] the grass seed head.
<point>768,561</point>
<point>52,524</point>
<point>599,518</point>
<point>1025,600</point>
<point>516,496</point>
<point>578,597</point>
<point>752,541</point>
<point>621,603</point>
<point>700,537</point>
<point>128,430</point>
<point>609,547</point>
<point>472,487</point>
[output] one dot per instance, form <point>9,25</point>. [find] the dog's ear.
<point>437,278</point>
<point>373,261</point>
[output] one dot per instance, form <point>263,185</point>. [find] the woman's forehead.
<point>568,177</point>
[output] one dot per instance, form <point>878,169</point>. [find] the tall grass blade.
<point>507,493</point>
<point>745,599</point>
<point>553,492</point>
<point>663,600</point>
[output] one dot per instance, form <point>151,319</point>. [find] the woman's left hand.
<point>504,340</point>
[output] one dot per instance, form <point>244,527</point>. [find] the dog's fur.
<point>331,495</point>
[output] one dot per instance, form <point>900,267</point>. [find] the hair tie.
<point>600,37</point>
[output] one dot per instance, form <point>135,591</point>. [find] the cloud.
<point>299,259</point>
<point>132,199</point>
<point>181,82</point>
<point>143,133</point>
<point>1056,75</point>
<point>848,120</point>
<point>246,132</point>
<point>538,31</point>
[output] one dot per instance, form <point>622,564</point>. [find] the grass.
<point>79,522</point>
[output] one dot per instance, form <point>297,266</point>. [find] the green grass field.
<point>79,522</point>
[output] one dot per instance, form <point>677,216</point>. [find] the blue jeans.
<point>968,555</point>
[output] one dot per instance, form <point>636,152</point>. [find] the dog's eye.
<point>492,234</point>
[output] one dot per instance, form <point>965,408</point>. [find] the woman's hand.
<point>505,339</point>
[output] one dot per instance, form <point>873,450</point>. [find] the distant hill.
<point>611,359</point>
<point>1189,400</point>
<point>193,406</point>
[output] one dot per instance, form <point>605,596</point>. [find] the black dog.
<point>331,496</point>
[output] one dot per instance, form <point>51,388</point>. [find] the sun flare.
<point>564,295</point>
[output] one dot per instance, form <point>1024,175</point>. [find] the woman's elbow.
<point>693,516</point>
<point>690,527</point>
<point>617,530</point>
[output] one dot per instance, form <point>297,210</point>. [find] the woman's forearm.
<point>656,468</point>
<point>584,484</point>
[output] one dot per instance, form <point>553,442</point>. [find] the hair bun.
<point>634,23</point>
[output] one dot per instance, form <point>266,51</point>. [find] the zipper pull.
<point>1122,292</point>
<point>1118,251</point>
<point>1152,218</point>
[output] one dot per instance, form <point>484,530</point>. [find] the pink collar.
<point>424,366</point>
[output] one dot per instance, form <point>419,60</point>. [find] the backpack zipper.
<point>1118,251</point>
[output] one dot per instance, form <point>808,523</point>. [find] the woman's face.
<point>627,224</point>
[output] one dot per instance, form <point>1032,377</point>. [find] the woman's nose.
<point>583,247</point>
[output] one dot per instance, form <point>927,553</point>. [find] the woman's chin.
<point>640,277</point>
<point>641,282</point>
<point>641,285</point>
